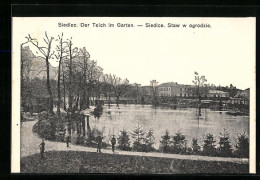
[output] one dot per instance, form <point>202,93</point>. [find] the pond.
<point>127,117</point>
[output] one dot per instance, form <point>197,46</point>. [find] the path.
<point>30,143</point>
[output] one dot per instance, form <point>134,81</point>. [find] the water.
<point>127,117</point>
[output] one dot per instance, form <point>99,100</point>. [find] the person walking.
<point>42,148</point>
<point>68,140</point>
<point>99,141</point>
<point>113,142</point>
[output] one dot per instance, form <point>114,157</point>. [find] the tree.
<point>209,148</point>
<point>149,140</point>
<point>60,50</point>
<point>120,88</point>
<point>195,146</point>
<point>123,141</point>
<point>199,88</point>
<point>139,136</point>
<point>225,148</point>
<point>179,143</point>
<point>166,142</point>
<point>26,64</point>
<point>155,92</point>
<point>242,146</point>
<point>46,53</point>
<point>199,82</point>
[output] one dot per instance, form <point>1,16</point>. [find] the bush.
<point>195,146</point>
<point>179,143</point>
<point>92,138</point>
<point>80,140</point>
<point>242,146</point>
<point>165,142</point>
<point>123,141</point>
<point>46,129</point>
<point>98,111</point>
<point>225,149</point>
<point>209,148</point>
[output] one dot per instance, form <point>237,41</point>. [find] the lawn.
<point>89,162</point>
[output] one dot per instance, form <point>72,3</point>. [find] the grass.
<point>89,162</point>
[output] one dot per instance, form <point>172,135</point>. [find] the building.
<point>217,94</point>
<point>242,97</point>
<point>173,89</point>
<point>146,90</point>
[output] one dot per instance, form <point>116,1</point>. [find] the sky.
<point>224,53</point>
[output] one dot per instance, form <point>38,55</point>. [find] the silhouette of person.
<point>99,141</point>
<point>68,140</point>
<point>42,148</point>
<point>113,142</point>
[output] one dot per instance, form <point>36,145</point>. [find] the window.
<point>180,94</point>
<point>181,89</point>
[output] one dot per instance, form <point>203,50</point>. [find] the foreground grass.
<point>89,162</point>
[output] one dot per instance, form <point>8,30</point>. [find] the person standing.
<point>113,142</point>
<point>68,140</point>
<point>42,148</point>
<point>99,141</point>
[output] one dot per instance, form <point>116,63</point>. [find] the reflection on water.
<point>114,120</point>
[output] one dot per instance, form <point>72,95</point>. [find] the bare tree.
<point>60,53</point>
<point>46,53</point>
<point>120,87</point>
<point>155,92</point>
<point>199,87</point>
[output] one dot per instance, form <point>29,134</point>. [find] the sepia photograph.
<point>133,95</point>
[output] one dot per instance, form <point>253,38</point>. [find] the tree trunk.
<point>70,92</point>
<point>83,125</point>
<point>109,101</point>
<point>117,101</point>
<point>58,88</point>
<point>64,94</point>
<point>88,127</point>
<point>49,88</point>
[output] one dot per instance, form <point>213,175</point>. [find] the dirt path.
<point>30,143</point>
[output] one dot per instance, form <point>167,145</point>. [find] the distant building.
<point>146,90</point>
<point>217,93</point>
<point>242,97</point>
<point>173,89</point>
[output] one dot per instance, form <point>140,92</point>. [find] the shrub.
<point>123,141</point>
<point>209,148</point>
<point>98,111</point>
<point>46,129</point>
<point>166,142</point>
<point>179,143</point>
<point>195,146</point>
<point>224,145</point>
<point>92,140</point>
<point>242,146</point>
<point>149,141</point>
<point>139,136</point>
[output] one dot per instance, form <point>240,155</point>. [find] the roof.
<point>217,92</point>
<point>170,84</point>
<point>243,94</point>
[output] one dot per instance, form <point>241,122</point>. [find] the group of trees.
<point>78,79</point>
<point>177,144</point>
<point>142,141</point>
<point>76,83</point>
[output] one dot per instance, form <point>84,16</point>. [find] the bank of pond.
<point>143,140</point>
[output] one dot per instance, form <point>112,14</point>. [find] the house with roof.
<point>173,89</point>
<point>242,97</point>
<point>217,94</point>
